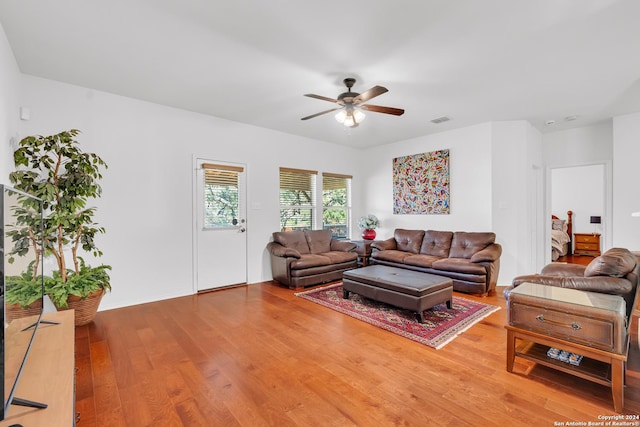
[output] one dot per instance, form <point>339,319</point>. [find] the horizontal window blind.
<point>297,198</point>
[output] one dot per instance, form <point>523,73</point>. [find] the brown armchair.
<point>615,272</point>
<point>304,258</point>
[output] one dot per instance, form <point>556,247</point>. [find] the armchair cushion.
<point>408,240</point>
<point>436,243</point>
<point>489,254</point>
<point>385,245</point>
<point>342,245</point>
<point>319,241</point>
<point>559,269</point>
<point>616,262</point>
<point>466,244</point>
<point>278,250</point>
<point>602,284</point>
<point>292,240</point>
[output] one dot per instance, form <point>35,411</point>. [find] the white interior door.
<point>221,228</point>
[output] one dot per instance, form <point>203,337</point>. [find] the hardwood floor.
<point>259,356</point>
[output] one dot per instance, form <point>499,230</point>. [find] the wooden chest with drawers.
<point>586,244</point>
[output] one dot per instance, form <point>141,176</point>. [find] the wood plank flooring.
<point>259,356</point>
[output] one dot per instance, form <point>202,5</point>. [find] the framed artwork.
<point>421,183</point>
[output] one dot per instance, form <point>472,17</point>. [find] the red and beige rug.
<point>441,325</point>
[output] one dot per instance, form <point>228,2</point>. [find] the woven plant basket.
<point>85,309</point>
<point>15,311</point>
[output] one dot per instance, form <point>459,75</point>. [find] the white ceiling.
<point>252,60</point>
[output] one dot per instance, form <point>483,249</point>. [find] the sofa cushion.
<point>465,244</point>
<point>459,265</point>
<point>310,260</point>
<point>436,243</point>
<point>616,262</point>
<point>408,240</point>
<point>391,255</point>
<point>421,260</point>
<point>292,239</point>
<point>319,241</point>
<point>337,257</point>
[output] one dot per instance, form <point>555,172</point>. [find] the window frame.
<point>312,177</point>
<point>329,177</point>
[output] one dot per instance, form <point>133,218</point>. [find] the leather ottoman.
<point>412,290</point>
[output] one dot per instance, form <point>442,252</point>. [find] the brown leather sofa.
<point>470,259</point>
<point>304,258</point>
<point>615,272</point>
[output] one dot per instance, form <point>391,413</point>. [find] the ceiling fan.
<point>351,104</point>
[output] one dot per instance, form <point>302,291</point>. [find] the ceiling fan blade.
<point>322,98</point>
<point>369,94</point>
<point>385,110</point>
<point>319,114</point>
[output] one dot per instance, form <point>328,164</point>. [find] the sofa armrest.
<point>602,284</point>
<point>488,254</point>
<point>342,245</point>
<point>276,249</point>
<point>385,244</point>
<point>558,269</point>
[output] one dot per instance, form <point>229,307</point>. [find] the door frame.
<point>194,217</point>
<point>607,223</point>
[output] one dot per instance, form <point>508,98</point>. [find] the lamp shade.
<point>595,220</point>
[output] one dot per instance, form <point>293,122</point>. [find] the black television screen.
<point>21,288</point>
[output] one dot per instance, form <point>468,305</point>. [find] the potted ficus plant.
<point>55,170</point>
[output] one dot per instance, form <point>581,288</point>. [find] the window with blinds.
<point>336,204</point>
<point>221,195</point>
<point>297,199</point>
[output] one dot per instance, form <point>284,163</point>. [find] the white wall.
<point>469,148</point>
<point>487,176</point>
<point>9,110</point>
<point>579,146</point>
<point>626,191</point>
<point>146,206</point>
<point>572,150</point>
<point>516,158</point>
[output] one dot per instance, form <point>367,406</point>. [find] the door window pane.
<point>221,196</point>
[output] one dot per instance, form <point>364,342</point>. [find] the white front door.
<point>220,225</point>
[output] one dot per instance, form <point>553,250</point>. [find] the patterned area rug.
<point>441,325</point>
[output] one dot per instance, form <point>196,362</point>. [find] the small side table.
<point>586,244</point>
<point>586,323</point>
<point>363,249</point>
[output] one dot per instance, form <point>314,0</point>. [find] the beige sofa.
<point>305,258</point>
<point>471,260</point>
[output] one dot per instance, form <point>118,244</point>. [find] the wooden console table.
<point>48,376</point>
<point>560,325</point>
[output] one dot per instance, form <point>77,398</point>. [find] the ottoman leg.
<point>449,303</point>
<point>345,294</point>
<point>420,316</point>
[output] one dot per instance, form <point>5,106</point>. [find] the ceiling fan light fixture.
<point>350,117</point>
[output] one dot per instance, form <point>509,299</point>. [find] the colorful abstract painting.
<point>421,183</point>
